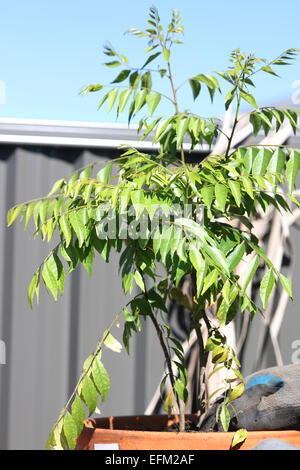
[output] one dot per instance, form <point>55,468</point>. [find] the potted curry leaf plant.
<point>155,209</point>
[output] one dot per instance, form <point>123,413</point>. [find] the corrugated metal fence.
<point>46,346</point>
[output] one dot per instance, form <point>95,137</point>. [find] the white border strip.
<point>55,123</point>
<point>82,142</point>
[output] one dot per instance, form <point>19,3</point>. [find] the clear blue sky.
<point>50,49</point>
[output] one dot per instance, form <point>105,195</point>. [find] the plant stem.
<point>203,357</point>
<point>242,79</point>
<point>176,106</point>
<point>180,402</point>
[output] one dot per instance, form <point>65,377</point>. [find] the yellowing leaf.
<point>168,404</point>
<point>239,437</point>
<point>111,342</point>
<point>237,391</point>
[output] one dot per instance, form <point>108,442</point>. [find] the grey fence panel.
<point>36,338</point>
<point>46,346</point>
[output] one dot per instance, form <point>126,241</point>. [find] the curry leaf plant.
<point>156,209</point>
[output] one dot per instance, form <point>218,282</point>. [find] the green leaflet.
<point>181,390</point>
<point>66,228</point>
<point>286,284</point>
<point>277,161</point>
<point>235,189</point>
<point>261,162</point>
<point>151,58</point>
<point>138,200</point>
<point>256,122</point>
<point>181,129</point>
<point>292,168</point>
<point>122,76</point>
<point>153,102</point>
<point>193,227</point>
<point>71,255</point>
<point>200,265</point>
<point>166,53</point>
<point>207,193</point>
<point>249,98</point>
<point>196,87</point>
<point>112,95</point>
<point>86,173</point>
<point>235,256</point>
<point>139,280</point>
<point>221,192</point>
<point>53,275</point>
<point>86,255</point>
<point>266,286</point>
<point>249,272</point>
<point>146,81</point>
<point>50,276</point>
<point>217,257</point>
<point>77,217</point>
<point>276,166</point>
<point>196,257</point>
<point>247,183</point>
<point>161,127</point>
<point>78,413</point>
<point>104,175</point>
<point>123,98</point>
<point>164,247</point>
<point>70,431</point>
<point>210,81</point>
<point>101,379</point>
<point>28,215</point>
<point>140,100</point>
<point>13,214</point>
<point>210,279</point>
<point>57,185</point>
<point>34,288</point>
<point>229,97</point>
<point>208,245</point>
<point>89,394</point>
<point>225,417</point>
<point>247,156</point>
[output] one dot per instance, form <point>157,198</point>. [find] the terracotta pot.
<point>143,433</point>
